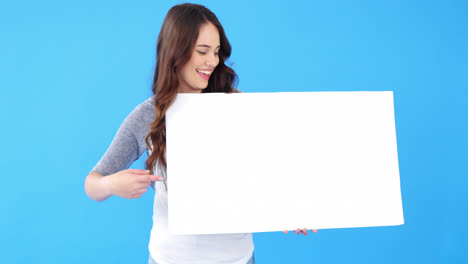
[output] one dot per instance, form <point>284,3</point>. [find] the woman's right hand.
<point>130,183</point>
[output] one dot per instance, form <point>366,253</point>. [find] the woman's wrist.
<point>106,185</point>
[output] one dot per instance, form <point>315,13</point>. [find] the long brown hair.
<point>176,42</point>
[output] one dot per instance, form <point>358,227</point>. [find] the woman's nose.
<point>212,60</point>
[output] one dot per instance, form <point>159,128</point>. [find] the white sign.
<point>260,162</point>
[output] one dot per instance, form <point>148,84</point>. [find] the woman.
<point>191,50</point>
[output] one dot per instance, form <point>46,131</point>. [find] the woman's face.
<point>193,76</point>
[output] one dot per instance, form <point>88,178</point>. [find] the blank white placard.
<point>259,162</point>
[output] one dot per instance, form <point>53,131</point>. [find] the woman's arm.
<point>111,176</point>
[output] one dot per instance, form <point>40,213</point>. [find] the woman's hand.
<point>303,231</point>
<point>130,183</point>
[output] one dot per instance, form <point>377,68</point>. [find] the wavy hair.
<point>175,46</point>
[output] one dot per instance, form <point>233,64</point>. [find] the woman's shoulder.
<point>146,107</point>
<point>142,114</point>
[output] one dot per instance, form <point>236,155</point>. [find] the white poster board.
<point>259,162</point>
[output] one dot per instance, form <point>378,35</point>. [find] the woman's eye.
<point>203,53</point>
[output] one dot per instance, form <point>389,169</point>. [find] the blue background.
<point>71,71</point>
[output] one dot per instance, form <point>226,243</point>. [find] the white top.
<point>166,248</point>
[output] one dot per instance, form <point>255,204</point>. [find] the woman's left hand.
<point>303,231</point>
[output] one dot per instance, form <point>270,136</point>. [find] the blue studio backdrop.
<point>71,71</point>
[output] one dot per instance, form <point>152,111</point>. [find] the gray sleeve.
<point>129,142</point>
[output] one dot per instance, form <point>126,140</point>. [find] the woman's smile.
<point>204,74</point>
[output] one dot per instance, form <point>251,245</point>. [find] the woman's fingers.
<point>138,171</point>
<point>304,231</point>
<point>150,178</point>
